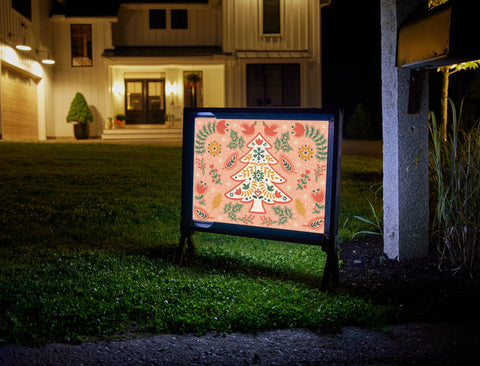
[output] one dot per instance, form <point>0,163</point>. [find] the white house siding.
<point>133,29</point>
<point>299,42</point>
<point>242,26</point>
<point>92,81</point>
<point>36,33</point>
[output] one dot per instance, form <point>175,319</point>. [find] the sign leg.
<point>331,273</point>
<point>186,242</point>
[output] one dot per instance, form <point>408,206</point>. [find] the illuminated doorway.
<point>145,101</point>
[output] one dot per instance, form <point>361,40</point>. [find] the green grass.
<point>88,234</point>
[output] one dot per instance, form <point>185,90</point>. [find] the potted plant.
<point>120,121</point>
<point>81,115</point>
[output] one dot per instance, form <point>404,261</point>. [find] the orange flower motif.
<point>201,187</point>
<point>318,196</point>
<point>299,129</point>
<point>222,127</point>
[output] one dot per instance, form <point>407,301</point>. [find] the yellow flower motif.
<point>305,152</point>
<point>214,148</point>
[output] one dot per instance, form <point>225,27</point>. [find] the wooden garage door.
<point>19,105</point>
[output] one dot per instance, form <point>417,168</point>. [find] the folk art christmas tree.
<point>261,173</point>
<point>259,181</point>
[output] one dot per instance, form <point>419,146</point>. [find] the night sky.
<point>351,57</point>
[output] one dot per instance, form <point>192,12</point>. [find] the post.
<point>405,184</point>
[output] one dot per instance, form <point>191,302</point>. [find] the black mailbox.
<point>446,35</point>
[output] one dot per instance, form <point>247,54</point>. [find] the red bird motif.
<point>271,130</point>
<point>248,130</point>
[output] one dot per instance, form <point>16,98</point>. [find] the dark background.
<point>351,59</point>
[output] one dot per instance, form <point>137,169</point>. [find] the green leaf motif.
<point>282,143</point>
<point>202,135</point>
<point>286,165</point>
<point>231,210</point>
<point>283,213</point>
<point>320,142</point>
<point>236,142</point>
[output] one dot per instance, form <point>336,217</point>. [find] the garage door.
<point>19,105</point>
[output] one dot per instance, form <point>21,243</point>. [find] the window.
<point>273,85</point>
<point>24,7</point>
<point>271,17</point>
<point>179,18</point>
<point>158,19</point>
<point>81,45</point>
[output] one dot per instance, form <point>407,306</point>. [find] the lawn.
<point>87,245</point>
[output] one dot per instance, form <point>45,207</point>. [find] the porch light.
<point>172,89</point>
<point>118,89</point>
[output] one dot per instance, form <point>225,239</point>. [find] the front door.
<point>145,101</point>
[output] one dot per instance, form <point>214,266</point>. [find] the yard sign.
<point>267,173</point>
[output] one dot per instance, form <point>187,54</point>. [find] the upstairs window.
<point>271,17</point>
<point>81,45</point>
<point>24,7</point>
<point>158,19</point>
<point>179,18</point>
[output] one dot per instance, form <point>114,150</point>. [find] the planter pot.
<point>81,131</point>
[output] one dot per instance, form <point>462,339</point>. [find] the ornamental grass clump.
<point>455,183</point>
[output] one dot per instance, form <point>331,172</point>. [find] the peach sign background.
<point>265,173</point>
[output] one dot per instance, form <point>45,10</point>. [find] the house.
<point>148,60</point>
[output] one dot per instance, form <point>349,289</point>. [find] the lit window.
<point>179,19</point>
<point>158,19</point>
<point>81,45</point>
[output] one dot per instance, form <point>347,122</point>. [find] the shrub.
<point>455,182</point>
<point>79,110</point>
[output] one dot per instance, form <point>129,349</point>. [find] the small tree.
<point>79,110</point>
<point>446,72</point>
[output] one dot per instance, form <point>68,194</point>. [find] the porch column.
<point>405,184</point>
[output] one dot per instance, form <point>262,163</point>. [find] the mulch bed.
<point>420,290</point>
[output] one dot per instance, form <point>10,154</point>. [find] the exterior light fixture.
<point>46,60</point>
<point>22,45</point>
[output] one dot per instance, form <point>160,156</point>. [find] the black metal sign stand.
<point>328,242</point>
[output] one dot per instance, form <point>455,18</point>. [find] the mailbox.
<point>442,36</point>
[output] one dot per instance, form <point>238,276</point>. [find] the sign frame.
<point>328,240</point>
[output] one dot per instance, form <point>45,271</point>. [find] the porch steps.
<point>167,135</point>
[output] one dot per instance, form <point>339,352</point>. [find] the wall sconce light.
<point>46,60</point>
<point>118,89</point>
<point>22,45</point>
<point>171,89</point>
